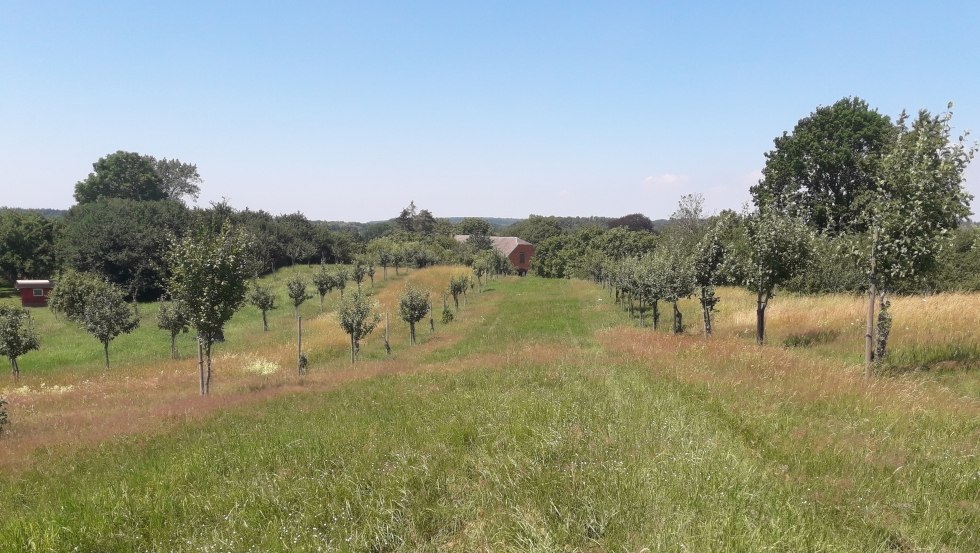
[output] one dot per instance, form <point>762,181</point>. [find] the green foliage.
<point>17,335</point>
<point>340,277</point>
<point>358,272</point>
<point>413,306</point>
<point>296,290</point>
<point>356,316</point>
<point>126,175</point>
<point>474,226</point>
<point>447,315</point>
<point>777,247</point>
<point>823,170</point>
<point>99,307</point>
<point>324,282</point>
<point>26,245</point>
<point>125,241</point>
<point>634,222</point>
<point>262,298</point>
<point>458,285</point>
<point>209,273</point>
<point>918,200</point>
<point>172,317</point>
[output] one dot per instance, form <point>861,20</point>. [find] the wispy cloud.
<point>667,180</point>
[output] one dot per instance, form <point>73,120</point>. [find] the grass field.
<point>540,420</point>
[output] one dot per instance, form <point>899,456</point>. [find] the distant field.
<point>540,420</point>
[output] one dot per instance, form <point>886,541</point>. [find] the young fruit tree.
<point>458,285</point>
<point>296,287</point>
<point>263,299</point>
<point>413,307</point>
<point>355,315</point>
<point>358,272</point>
<point>777,247</point>
<point>209,272</point>
<point>340,280</point>
<point>709,255</point>
<point>918,200</point>
<point>173,319</point>
<point>17,335</point>
<point>324,283</point>
<point>679,284</point>
<point>98,306</point>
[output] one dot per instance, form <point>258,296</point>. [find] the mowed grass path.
<point>539,422</point>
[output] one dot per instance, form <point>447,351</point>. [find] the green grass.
<point>66,348</point>
<point>565,446</point>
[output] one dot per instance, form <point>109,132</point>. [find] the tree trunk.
<point>411,327</point>
<point>207,380</point>
<point>321,303</point>
<point>299,345</point>
<point>640,310</point>
<point>883,328</point>
<point>105,350</point>
<point>265,322</point>
<point>384,272</point>
<point>760,318</point>
<point>200,361</point>
<point>352,349</point>
<point>678,320</point>
<point>14,368</point>
<point>656,314</point>
<point>173,346</point>
<point>387,342</point>
<point>869,335</point>
<point>706,310</point>
<point>432,321</point>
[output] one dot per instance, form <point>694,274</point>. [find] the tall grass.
<point>539,421</point>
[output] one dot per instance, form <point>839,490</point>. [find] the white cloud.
<point>666,180</point>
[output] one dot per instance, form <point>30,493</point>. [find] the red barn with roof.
<point>518,251</point>
<point>34,293</point>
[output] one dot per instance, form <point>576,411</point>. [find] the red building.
<point>34,293</point>
<point>518,251</point>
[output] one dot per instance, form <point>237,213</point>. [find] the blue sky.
<point>349,110</point>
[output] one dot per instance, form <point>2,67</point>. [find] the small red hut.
<point>34,293</point>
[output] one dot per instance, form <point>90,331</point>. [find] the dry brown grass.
<point>918,320</point>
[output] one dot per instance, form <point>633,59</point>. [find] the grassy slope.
<point>537,428</point>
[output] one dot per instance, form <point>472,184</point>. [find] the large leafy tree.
<point>123,240</point>
<point>17,335</point>
<point>821,171</point>
<point>134,176</point>
<point>26,245</point>
<point>918,200</point>
<point>209,273</point>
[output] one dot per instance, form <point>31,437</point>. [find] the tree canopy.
<point>134,176</point>
<point>821,171</point>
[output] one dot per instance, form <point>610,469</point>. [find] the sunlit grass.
<point>539,420</point>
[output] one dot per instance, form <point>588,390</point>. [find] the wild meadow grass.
<point>540,420</point>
